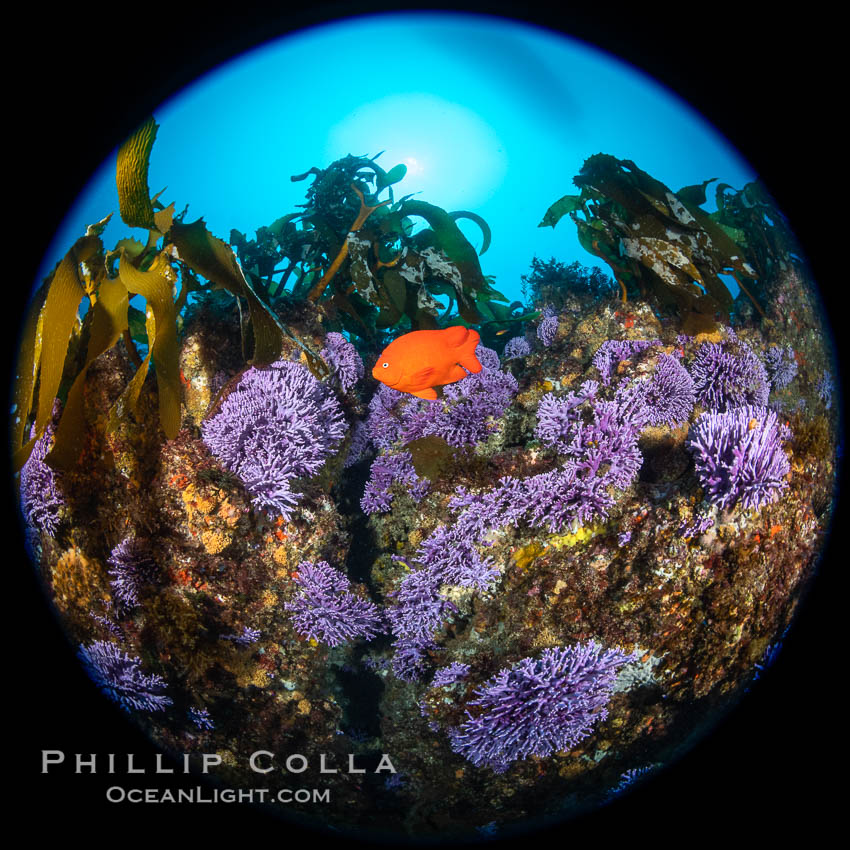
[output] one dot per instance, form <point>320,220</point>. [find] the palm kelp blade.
<point>214,260</point>
<point>131,177</point>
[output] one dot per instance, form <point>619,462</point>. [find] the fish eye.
<point>385,365</point>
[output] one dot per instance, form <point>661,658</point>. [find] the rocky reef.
<point>509,603</point>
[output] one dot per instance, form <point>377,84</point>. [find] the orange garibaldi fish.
<point>418,361</point>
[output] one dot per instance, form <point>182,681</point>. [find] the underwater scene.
<point>463,492</point>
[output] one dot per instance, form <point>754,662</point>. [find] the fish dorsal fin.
<point>456,335</point>
<point>421,376</point>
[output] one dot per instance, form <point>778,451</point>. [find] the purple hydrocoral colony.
<point>343,358</point>
<point>325,609</point>
<point>418,612</point>
<point>825,388</point>
<point>277,425</point>
<point>614,351</point>
<point>538,706</point>
<point>781,366</point>
<point>517,347</point>
<point>669,394</point>
<point>388,411</point>
<point>723,380</point>
<point>557,417</point>
<point>487,357</point>
<point>739,457</point>
<point>450,674</point>
<point>247,637</point>
<point>547,330</point>
<point>389,469</point>
<point>132,568</point>
<point>201,718</point>
<point>599,439</point>
<point>698,525</point>
<point>120,677</point>
<point>468,412</point>
<point>41,499</point>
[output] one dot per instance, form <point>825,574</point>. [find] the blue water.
<point>489,115</point>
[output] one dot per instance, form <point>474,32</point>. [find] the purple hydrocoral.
<point>201,718</point>
<point>557,417</point>
<point>418,611</point>
<point>487,357</point>
<point>698,525</point>
<point>277,425</point>
<point>450,674</point>
<point>468,411</point>
<point>120,677</point>
<point>781,366</point>
<point>131,569</point>
<point>247,637</point>
<point>538,706</point>
<point>388,411</point>
<point>669,394</point>
<point>825,387</point>
<point>547,330</point>
<point>724,379</point>
<point>739,457</point>
<point>599,439</point>
<point>614,351</point>
<point>41,499</point>
<point>389,469</point>
<point>326,610</point>
<point>517,346</point>
<point>343,358</point>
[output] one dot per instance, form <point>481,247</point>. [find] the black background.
<point>87,74</point>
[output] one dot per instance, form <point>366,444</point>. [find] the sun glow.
<point>414,166</point>
<point>460,160</point>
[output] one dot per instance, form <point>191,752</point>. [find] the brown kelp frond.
<point>85,302</point>
<point>213,259</point>
<point>29,358</point>
<point>487,236</point>
<point>365,211</point>
<point>109,321</point>
<point>63,292</point>
<point>353,251</point>
<point>155,286</point>
<point>661,242</point>
<point>134,200</point>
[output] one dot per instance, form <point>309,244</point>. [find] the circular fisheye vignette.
<point>500,566</point>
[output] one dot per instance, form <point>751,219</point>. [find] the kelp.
<point>657,242</point>
<point>155,286</point>
<point>213,259</point>
<point>353,251</point>
<point>109,320</point>
<point>87,298</point>
<point>29,358</point>
<point>134,200</point>
<point>752,218</point>
<point>54,326</point>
